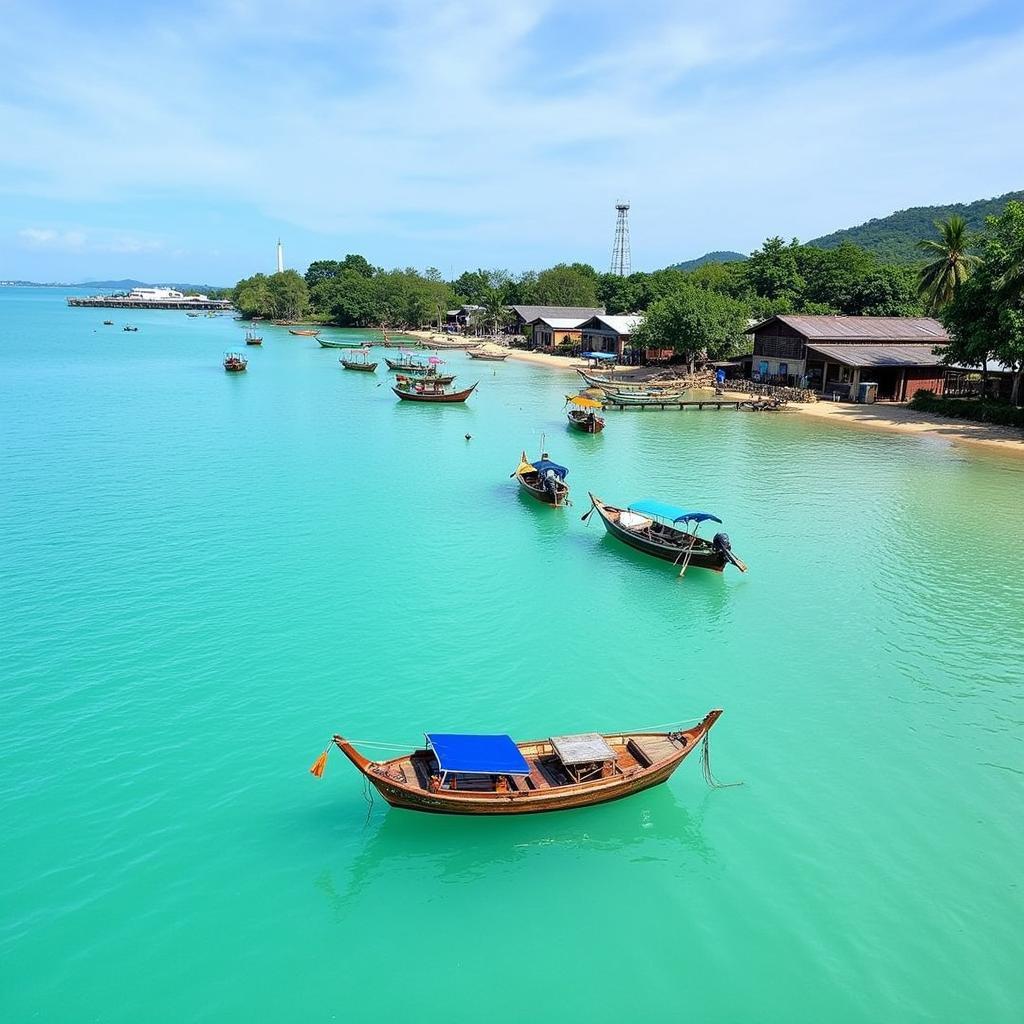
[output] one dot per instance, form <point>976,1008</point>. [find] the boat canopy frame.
<point>671,513</point>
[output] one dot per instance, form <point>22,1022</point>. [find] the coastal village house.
<point>523,316</point>
<point>611,334</point>
<point>549,332</point>
<point>834,354</point>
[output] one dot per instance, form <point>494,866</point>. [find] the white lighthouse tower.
<point>280,256</point>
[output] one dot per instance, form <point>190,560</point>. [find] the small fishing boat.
<point>301,332</point>
<point>434,378</point>
<point>643,397</point>
<point>664,531</point>
<point>327,343</point>
<point>467,774</point>
<point>193,314</point>
<point>128,327</point>
<point>543,480</point>
<point>489,353</point>
<point>252,338</point>
<point>583,414</point>
<point>430,391</point>
<point>108,323</point>
<point>363,365</point>
<point>235,362</point>
<point>407,363</point>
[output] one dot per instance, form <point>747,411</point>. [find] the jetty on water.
<point>700,404</point>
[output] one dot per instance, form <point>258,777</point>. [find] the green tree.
<point>694,322</point>
<point>984,318</point>
<point>773,272</point>
<point>951,263</point>
<point>567,285</point>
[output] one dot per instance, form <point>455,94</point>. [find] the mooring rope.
<point>705,763</point>
<point>368,797</point>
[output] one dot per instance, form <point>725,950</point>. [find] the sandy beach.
<point>881,416</point>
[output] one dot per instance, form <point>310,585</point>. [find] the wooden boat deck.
<point>546,770</point>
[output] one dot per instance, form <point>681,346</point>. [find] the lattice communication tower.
<point>620,251</point>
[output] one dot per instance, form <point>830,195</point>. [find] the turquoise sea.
<point>203,576</point>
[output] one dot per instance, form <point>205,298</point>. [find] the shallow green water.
<point>204,576</point>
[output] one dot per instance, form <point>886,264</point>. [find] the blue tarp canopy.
<point>477,755</point>
<point>598,355</point>
<point>663,510</point>
<point>543,465</point>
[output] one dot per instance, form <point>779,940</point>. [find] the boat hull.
<point>586,424</point>
<point>703,557</point>
<point>360,367</point>
<point>557,498</point>
<point>392,781</point>
<point>487,358</point>
<point>454,396</point>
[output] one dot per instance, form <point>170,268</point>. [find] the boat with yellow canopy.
<point>583,414</point>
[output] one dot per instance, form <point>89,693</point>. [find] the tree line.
<point>974,283</point>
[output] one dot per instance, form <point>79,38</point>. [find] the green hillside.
<point>893,239</point>
<point>709,257</point>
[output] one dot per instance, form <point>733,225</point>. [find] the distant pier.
<point>126,302</point>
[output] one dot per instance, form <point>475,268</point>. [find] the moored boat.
<point>430,391</point>
<point>467,774</point>
<point>302,332</point>
<point>435,378</point>
<point>108,323</point>
<point>252,338</point>
<point>128,327</point>
<point>490,353</point>
<point>407,363</point>
<point>669,533</point>
<point>328,343</point>
<point>363,365</point>
<point>543,480</point>
<point>583,414</point>
<point>643,397</point>
<point>235,362</point>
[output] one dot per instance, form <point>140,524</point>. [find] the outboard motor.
<point>721,543</point>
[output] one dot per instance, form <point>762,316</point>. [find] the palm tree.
<point>939,280</point>
<point>495,310</point>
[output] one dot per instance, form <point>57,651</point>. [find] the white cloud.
<point>477,126</point>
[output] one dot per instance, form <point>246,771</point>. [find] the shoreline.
<point>895,419</point>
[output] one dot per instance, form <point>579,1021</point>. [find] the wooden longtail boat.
<point>492,357</point>
<point>363,365</point>
<point>235,362</point>
<point>327,343</point>
<point>543,480</point>
<point>668,533</point>
<point>457,774</point>
<point>252,338</point>
<point>128,327</point>
<point>302,333</point>
<point>407,364</point>
<point>108,323</point>
<point>583,414</point>
<point>434,378</point>
<point>643,397</point>
<point>431,391</point>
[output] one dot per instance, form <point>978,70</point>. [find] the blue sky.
<point>178,141</point>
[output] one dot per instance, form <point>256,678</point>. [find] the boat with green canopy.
<point>667,532</point>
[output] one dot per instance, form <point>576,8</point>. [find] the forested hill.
<point>893,239</point>
<point>709,257</point>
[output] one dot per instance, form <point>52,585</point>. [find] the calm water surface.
<point>204,576</point>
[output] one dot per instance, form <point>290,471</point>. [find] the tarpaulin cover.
<point>477,755</point>
<point>599,355</point>
<point>661,509</point>
<point>543,465</point>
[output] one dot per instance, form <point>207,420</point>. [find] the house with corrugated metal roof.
<point>523,315</point>
<point>549,332</point>
<point>603,333</point>
<point>834,354</point>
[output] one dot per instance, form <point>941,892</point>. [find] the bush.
<point>981,410</point>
